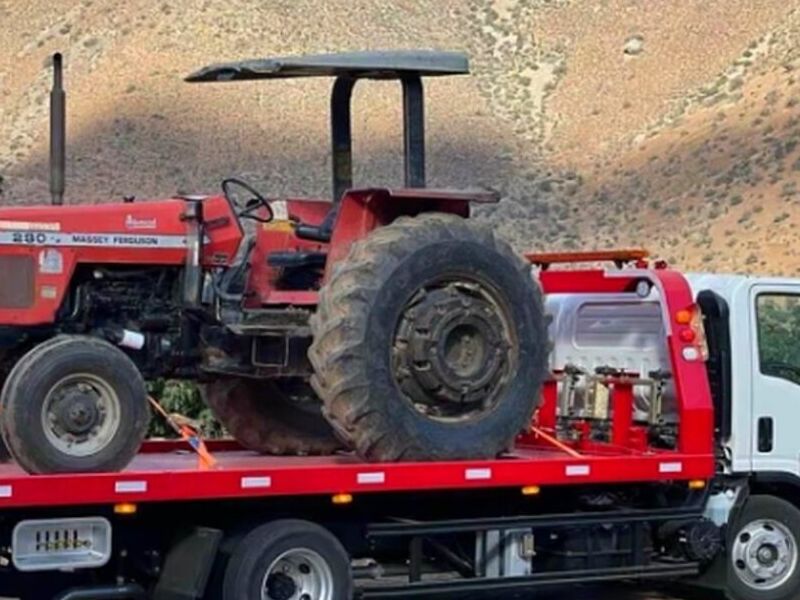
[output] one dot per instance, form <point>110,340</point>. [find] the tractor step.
<point>272,320</point>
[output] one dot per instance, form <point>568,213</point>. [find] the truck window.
<point>778,317</point>
<point>620,325</point>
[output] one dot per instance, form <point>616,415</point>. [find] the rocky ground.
<point>673,125</point>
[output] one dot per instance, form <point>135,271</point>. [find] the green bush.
<point>184,398</point>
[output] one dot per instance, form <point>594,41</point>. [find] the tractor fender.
<point>360,211</point>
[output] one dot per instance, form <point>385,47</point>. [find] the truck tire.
<point>429,342</point>
<point>763,560</point>
<point>288,559</point>
<point>5,455</point>
<point>74,404</point>
<point>260,416</point>
<point>7,361</point>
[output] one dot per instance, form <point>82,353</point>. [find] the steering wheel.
<point>249,210</point>
<point>781,369</point>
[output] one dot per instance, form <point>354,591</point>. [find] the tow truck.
<point>663,448</point>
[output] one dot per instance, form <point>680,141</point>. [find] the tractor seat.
<point>294,260</point>
<point>321,232</point>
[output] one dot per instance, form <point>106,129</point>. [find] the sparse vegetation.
<point>583,155</point>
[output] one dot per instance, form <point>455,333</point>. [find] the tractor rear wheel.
<point>262,417</point>
<point>429,342</point>
<point>74,404</point>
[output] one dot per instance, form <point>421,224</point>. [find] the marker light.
<point>125,508</point>
<point>342,499</point>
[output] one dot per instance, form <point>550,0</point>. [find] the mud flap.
<point>188,565</point>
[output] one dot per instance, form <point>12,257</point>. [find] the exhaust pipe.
<point>58,119</point>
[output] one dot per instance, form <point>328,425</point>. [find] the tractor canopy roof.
<point>406,66</point>
<point>382,64</point>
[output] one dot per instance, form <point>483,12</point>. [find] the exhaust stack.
<point>57,132</point>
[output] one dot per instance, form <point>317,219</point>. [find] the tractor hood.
<point>163,217</point>
<point>156,225</point>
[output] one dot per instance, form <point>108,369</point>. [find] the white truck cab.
<point>763,328</point>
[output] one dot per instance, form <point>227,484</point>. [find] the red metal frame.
<point>695,409</point>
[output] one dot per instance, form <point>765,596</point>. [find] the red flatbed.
<point>166,471</point>
<point>561,455</point>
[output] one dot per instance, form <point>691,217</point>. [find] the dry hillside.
<point>672,124</point>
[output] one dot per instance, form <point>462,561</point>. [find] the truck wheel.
<point>74,404</point>
<point>5,455</point>
<point>288,559</point>
<point>763,551</point>
<point>7,361</point>
<point>429,342</point>
<point>260,416</point>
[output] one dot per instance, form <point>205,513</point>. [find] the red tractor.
<point>384,321</point>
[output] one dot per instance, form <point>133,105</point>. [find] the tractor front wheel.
<point>429,342</point>
<point>74,404</point>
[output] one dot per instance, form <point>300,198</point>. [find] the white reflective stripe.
<point>377,477</point>
<point>102,240</point>
<point>256,482</point>
<point>477,474</point>
<point>670,467</point>
<point>6,491</point>
<point>578,470</point>
<point>130,487</point>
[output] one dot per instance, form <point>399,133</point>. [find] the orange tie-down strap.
<point>188,434</point>
<point>554,442</point>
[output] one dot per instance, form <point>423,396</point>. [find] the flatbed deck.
<point>167,471</point>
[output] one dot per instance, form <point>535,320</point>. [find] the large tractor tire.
<point>262,417</point>
<point>74,404</point>
<point>429,342</point>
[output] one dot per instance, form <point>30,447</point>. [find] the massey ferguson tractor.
<point>385,321</point>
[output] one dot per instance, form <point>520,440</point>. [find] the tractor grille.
<point>17,281</point>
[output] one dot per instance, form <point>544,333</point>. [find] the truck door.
<point>775,337</point>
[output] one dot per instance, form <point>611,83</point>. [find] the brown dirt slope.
<point>603,122</point>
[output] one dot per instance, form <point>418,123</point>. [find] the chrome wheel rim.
<point>764,554</point>
<point>298,574</point>
<point>80,415</point>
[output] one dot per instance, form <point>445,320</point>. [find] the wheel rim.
<point>298,574</point>
<point>80,415</point>
<point>453,349</point>
<point>764,554</point>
